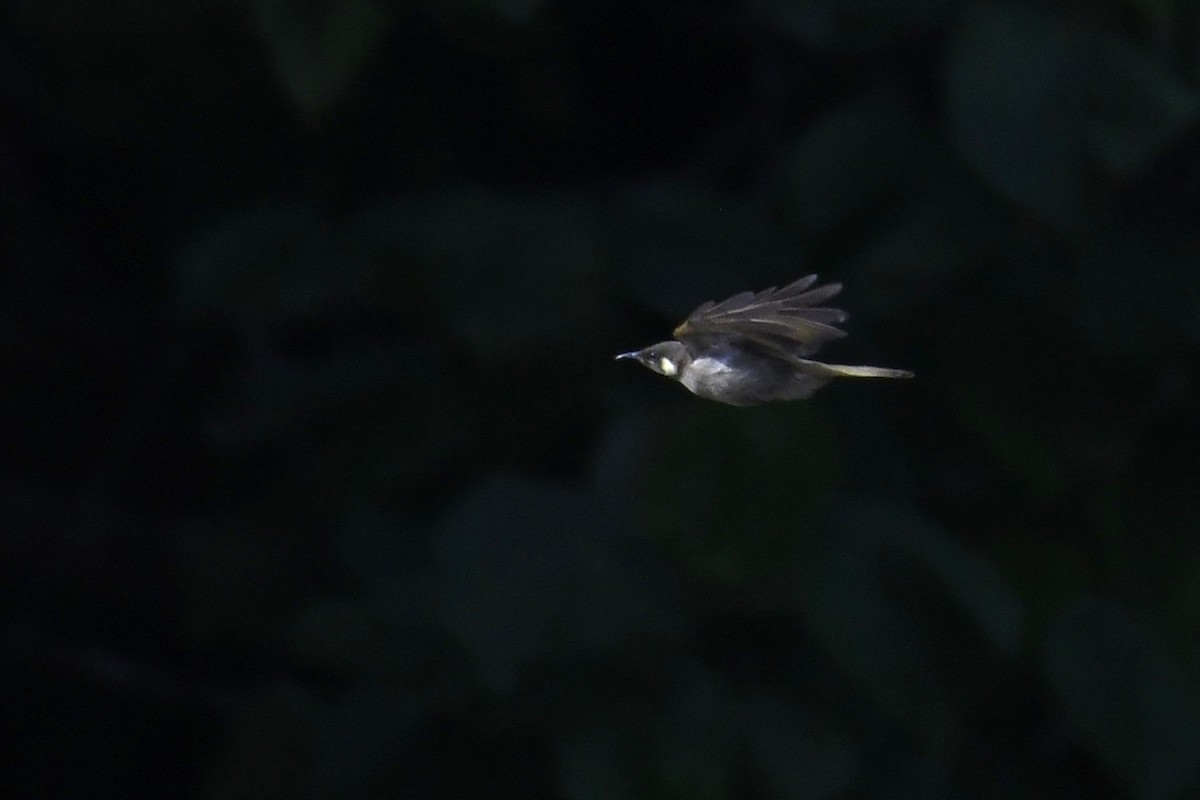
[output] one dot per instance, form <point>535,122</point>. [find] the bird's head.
<point>665,358</point>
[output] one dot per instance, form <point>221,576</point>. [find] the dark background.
<point>318,478</point>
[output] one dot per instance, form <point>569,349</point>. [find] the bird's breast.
<point>706,369</point>
<point>714,379</point>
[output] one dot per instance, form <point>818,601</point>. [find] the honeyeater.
<point>754,347</point>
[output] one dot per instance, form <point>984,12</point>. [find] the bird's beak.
<point>627,355</point>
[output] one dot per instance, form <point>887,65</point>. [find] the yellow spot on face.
<point>667,366</point>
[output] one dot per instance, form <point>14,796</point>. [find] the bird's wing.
<point>787,321</point>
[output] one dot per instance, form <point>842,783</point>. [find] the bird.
<point>754,347</point>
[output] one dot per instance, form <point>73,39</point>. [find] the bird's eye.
<point>667,366</point>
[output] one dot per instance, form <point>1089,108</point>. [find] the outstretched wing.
<point>787,320</point>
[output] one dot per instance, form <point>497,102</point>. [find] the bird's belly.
<point>713,379</point>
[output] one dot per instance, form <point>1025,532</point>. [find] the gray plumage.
<point>753,348</point>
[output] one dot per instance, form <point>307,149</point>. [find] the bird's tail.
<point>847,371</point>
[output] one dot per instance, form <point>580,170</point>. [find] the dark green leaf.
<point>795,753</point>
<point>1139,287</point>
<point>1141,106</point>
<point>1016,116</point>
<point>905,608</point>
<point>513,275</point>
<point>855,159</point>
<point>268,749</point>
<point>517,11</point>
<point>694,745</point>
<point>737,496</point>
<point>940,235</point>
<point>261,266</point>
<point>596,766</point>
<point>361,734</point>
<point>529,570</point>
<point>673,246</point>
<point>321,47</point>
<point>856,24</point>
<point>1133,703</point>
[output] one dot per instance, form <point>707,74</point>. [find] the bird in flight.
<point>754,347</point>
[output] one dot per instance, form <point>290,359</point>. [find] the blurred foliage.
<point>320,480</point>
